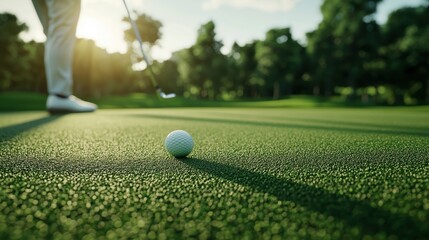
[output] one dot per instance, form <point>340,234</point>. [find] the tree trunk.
<point>328,87</point>
<point>276,89</point>
<point>399,97</point>
<point>316,90</point>
<point>376,96</point>
<point>365,98</point>
<point>255,92</point>
<point>328,83</point>
<point>289,88</point>
<point>352,83</point>
<point>427,91</point>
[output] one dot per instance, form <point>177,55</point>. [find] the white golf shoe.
<point>70,104</point>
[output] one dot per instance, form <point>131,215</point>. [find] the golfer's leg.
<point>59,46</point>
<point>42,13</point>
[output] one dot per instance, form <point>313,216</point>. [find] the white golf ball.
<point>179,143</point>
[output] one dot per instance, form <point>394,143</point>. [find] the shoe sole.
<point>65,111</point>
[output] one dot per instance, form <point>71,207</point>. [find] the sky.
<point>236,20</point>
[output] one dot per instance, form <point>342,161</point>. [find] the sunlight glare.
<point>92,28</point>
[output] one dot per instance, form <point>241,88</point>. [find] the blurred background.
<point>360,51</point>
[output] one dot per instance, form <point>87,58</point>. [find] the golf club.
<point>159,91</point>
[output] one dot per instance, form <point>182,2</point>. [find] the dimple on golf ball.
<point>179,143</point>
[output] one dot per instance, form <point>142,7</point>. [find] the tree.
<point>13,64</point>
<point>204,66</point>
<point>36,61</point>
<point>148,27</point>
<point>406,53</point>
<point>244,66</point>
<point>279,61</point>
<point>167,76</point>
<point>97,73</point>
<point>344,41</point>
<point>150,32</point>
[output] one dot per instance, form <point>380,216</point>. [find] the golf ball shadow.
<point>179,143</point>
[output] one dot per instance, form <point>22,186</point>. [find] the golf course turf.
<point>283,173</point>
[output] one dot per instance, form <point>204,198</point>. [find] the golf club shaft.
<point>139,39</point>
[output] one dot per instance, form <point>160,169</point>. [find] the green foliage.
<point>13,66</point>
<point>97,73</point>
<point>406,54</point>
<point>243,64</point>
<point>167,75</point>
<point>150,32</point>
<point>36,61</point>
<point>346,38</point>
<point>149,29</point>
<point>203,66</point>
<point>279,61</point>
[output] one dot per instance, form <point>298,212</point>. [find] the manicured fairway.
<point>333,173</point>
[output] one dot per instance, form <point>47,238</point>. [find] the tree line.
<point>349,54</point>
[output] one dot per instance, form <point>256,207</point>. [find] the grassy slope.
<point>19,101</point>
<point>319,173</point>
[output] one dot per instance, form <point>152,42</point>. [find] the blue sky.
<point>236,20</point>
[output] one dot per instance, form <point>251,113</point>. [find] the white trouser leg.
<point>59,19</point>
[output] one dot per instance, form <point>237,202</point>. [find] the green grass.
<point>21,101</point>
<point>139,100</point>
<point>330,173</point>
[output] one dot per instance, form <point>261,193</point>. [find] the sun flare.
<point>92,28</point>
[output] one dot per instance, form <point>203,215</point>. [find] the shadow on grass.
<point>291,125</point>
<point>9,132</point>
<point>354,213</point>
<point>351,123</point>
<point>409,129</point>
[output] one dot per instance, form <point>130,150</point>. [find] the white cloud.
<point>263,5</point>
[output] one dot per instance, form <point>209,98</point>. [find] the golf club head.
<point>165,96</point>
